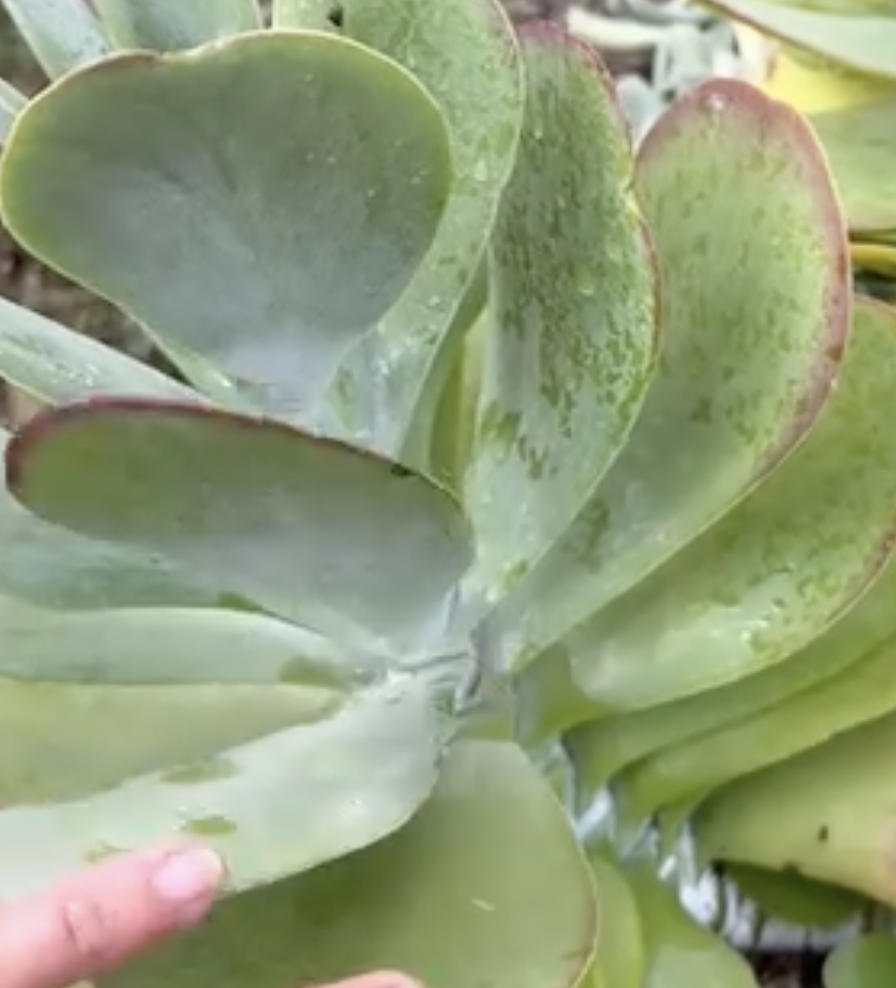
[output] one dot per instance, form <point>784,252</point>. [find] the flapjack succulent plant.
<point>504,462</point>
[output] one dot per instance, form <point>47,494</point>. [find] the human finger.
<point>99,918</point>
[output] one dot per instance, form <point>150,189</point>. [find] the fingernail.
<point>187,876</point>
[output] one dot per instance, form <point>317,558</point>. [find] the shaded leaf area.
<point>466,55</point>
<point>712,426</point>
<point>221,219</point>
<point>572,341</point>
<point>278,780</point>
<point>309,528</point>
<point>832,808</point>
<point>868,962</point>
<point>455,897</point>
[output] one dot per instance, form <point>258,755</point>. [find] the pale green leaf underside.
<point>268,238</point>
<point>860,142</point>
<point>573,338</point>
<point>62,34</point>
<point>275,806</point>
<point>55,364</point>
<point>863,43</point>
<point>454,898</point>
<point>170,25</point>
<point>782,565</point>
<point>323,533</point>
<point>752,339</point>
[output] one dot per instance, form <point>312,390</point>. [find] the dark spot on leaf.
<point>399,471</point>
<point>336,15</point>
<point>823,833</point>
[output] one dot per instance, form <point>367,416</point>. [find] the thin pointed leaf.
<point>753,338</point>
<point>861,146</point>
<point>867,962</point>
<point>832,809</point>
<point>56,365</point>
<point>776,571</point>
<point>61,34</point>
<point>465,53</point>
<point>309,528</point>
<point>862,43</point>
<point>170,25</point>
<point>457,897</point>
<point>267,239</point>
<point>275,806</point>
<point>12,102</point>
<point>574,340</point>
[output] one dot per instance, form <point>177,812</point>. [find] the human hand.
<point>97,920</point>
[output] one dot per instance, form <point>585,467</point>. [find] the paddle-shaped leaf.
<point>457,897</point>
<point>832,809</point>
<point>865,43</point>
<point>169,25</point>
<point>267,238</point>
<point>61,34</point>
<point>861,146</point>
<point>465,53</point>
<point>47,565</point>
<point>573,340</point>
<point>282,803</point>
<point>779,568</point>
<point>756,308</point>
<point>601,749</point>
<point>335,538</point>
<point>620,961</point>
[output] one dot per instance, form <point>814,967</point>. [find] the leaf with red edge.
<point>343,542</point>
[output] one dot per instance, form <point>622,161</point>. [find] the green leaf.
<point>832,809</point>
<point>867,962</point>
<point>862,43</point>
<point>861,146</point>
<point>47,565</point>
<point>465,53</point>
<point>601,749</point>
<point>756,311</point>
<point>620,961</point>
<point>56,364</point>
<point>267,239</point>
<point>280,804</point>
<point>170,25</point>
<point>165,646</point>
<point>322,532</point>
<point>680,952</point>
<point>457,897</point>
<point>776,571</point>
<point>796,900</point>
<point>573,342</point>
<point>61,34</point>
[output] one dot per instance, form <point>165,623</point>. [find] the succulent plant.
<point>505,463</point>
